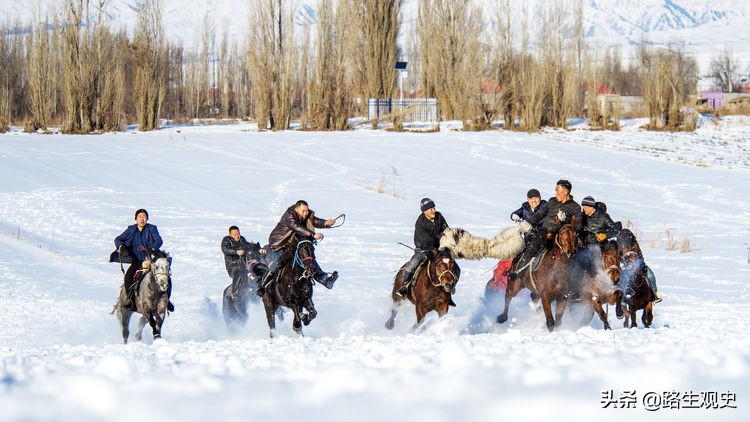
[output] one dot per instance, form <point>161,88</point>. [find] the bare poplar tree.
<point>668,76</point>
<point>328,99</point>
<point>379,22</point>
<point>452,63</point>
<point>5,80</point>
<point>725,71</point>
<point>150,65</point>
<point>41,76</point>
<point>273,58</point>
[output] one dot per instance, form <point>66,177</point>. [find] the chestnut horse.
<point>638,293</point>
<point>432,288</point>
<point>551,281</point>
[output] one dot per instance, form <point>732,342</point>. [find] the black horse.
<point>151,298</point>
<point>235,308</point>
<point>293,287</point>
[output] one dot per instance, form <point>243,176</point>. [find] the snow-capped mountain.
<point>701,27</point>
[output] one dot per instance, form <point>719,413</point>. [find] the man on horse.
<point>297,223</point>
<point>545,222</point>
<point>597,227</point>
<point>237,252</point>
<point>533,202</point>
<point>134,242</point>
<point>427,230</point>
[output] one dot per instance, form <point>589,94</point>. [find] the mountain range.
<point>700,27</point>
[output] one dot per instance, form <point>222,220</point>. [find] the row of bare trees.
<point>77,72</point>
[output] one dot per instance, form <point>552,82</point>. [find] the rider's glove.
<point>601,237</point>
<point>515,217</point>
<point>561,215</point>
<point>123,251</point>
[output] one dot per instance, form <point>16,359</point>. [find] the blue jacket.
<point>525,211</point>
<point>134,239</point>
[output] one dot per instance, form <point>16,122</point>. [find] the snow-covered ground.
<point>64,198</point>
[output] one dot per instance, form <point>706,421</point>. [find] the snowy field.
<point>63,199</point>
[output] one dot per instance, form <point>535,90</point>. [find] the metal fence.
<point>411,110</point>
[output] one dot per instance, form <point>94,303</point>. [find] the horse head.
<point>160,267</point>
<point>445,271</point>
<point>567,240</point>
<point>304,256</point>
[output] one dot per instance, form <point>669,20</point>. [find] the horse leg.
<point>648,315</point>
<point>270,308</point>
<point>559,311</point>
<point>139,330</point>
<point>297,323</point>
<point>510,292</point>
<point>125,324</point>
<point>600,311</point>
<point>156,322</point>
<point>547,308</point>
<point>631,311</point>
<point>395,307</point>
<point>311,312</point>
<point>421,312</point>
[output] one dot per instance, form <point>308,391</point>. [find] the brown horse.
<point>638,293</point>
<point>432,288</point>
<point>597,289</point>
<point>551,281</point>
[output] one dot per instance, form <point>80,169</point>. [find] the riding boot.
<point>652,284</point>
<point>262,283</point>
<point>326,279</point>
<point>405,279</point>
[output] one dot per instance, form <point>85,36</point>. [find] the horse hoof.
<point>502,318</point>
<point>607,327</point>
<point>389,324</point>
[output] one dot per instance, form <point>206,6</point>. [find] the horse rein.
<point>440,282</point>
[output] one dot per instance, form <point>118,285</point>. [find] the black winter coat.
<point>525,211</point>
<point>229,248</point>
<point>546,215</point>
<point>427,233</point>
<point>599,222</point>
<point>291,227</point>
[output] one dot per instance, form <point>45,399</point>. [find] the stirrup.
<point>657,298</point>
<point>403,290</point>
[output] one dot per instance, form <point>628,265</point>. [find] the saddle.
<point>534,262</point>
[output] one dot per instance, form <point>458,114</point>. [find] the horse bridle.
<point>557,243</point>
<point>301,261</point>
<point>440,282</point>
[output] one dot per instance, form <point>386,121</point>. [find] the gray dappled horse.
<point>151,296</point>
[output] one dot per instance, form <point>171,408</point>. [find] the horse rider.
<point>133,242</point>
<point>237,253</point>
<point>545,222</point>
<point>427,230</point>
<point>533,202</point>
<point>297,223</point>
<point>597,227</point>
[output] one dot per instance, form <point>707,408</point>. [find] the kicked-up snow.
<point>63,199</point>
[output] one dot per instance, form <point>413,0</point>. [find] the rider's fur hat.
<point>533,193</point>
<point>425,204</point>
<point>588,202</point>
<point>141,210</point>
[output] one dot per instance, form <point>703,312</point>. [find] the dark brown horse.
<point>551,281</point>
<point>293,287</point>
<point>638,293</point>
<point>432,288</point>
